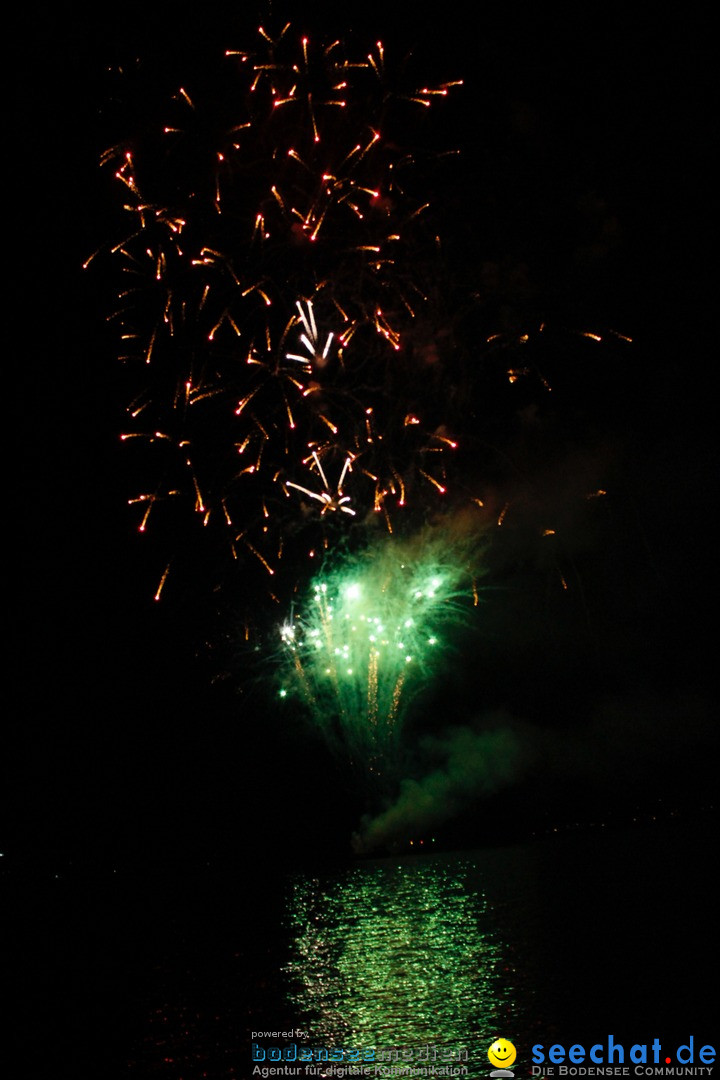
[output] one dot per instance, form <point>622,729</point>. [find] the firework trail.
<point>374,632</point>
<point>276,271</point>
<point>293,401</point>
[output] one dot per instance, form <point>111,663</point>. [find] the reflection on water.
<point>396,953</point>
<point>175,973</point>
<point>399,954</point>
<point>558,941</point>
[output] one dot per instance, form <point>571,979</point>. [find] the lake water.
<point>169,973</point>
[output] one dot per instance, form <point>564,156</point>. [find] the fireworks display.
<point>273,314</point>
<point>364,523</point>
<point>296,399</point>
<point>374,632</point>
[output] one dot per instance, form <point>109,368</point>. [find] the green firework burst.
<point>374,632</point>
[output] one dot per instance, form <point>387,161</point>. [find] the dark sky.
<point>584,200</point>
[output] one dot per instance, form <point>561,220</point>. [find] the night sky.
<point>136,734</point>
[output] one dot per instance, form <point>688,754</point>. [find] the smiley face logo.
<point>502,1054</point>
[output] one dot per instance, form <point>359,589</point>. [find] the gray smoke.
<point>475,764</point>
<point>621,746</point>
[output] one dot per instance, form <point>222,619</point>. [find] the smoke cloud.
<point>622,753</point>
<point>475,764</point>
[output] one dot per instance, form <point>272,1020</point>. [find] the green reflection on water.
<point>398,955</point>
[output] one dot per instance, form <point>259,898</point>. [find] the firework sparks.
<point>373,633</point>
<point>330,500</point>
<point>296,381</point>
<point>271,275</point>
